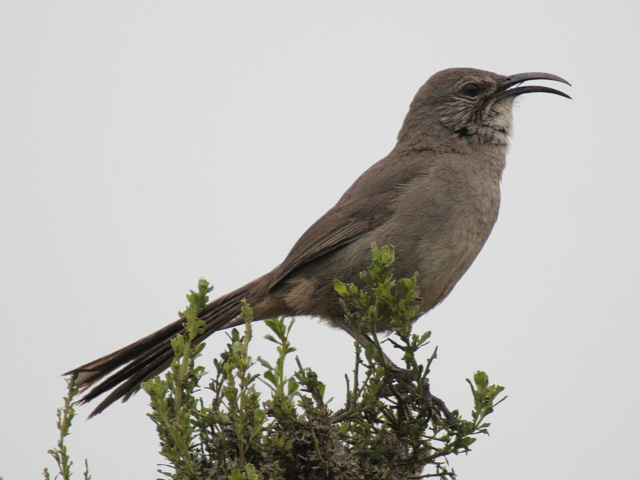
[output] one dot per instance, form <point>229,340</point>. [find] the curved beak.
<point>505,90</point>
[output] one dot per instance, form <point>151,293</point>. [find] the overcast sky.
<point>146,144</point>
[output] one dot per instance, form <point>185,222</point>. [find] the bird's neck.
<point>487,136</point>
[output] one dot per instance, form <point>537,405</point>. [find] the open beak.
<point>505,89</point>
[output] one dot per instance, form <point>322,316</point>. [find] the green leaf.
<point>340,288</point>
<point>264,363</point>
<point>481,379</point>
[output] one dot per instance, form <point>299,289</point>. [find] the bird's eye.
<point>471,89</point>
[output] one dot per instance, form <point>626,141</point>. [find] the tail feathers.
<point>91,372</point>
<point>127,368</point>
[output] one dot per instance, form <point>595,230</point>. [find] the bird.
<point>435,197</point>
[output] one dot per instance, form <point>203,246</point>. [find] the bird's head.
<point>466,106</point>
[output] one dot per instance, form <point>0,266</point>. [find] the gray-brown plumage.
<point>435,197</point>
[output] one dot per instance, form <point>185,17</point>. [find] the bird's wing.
<point>367,204</point>
<point>344,223</point>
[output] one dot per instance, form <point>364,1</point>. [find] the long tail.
<point>127,368</point>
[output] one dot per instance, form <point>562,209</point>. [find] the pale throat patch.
<point>497,131</point>
<point>504,116</point>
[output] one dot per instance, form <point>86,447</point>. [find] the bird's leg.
<point>402,379</point>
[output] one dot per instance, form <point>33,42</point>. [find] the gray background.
<point>147,144</point>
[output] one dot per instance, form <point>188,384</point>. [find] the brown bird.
<point>435,197</point>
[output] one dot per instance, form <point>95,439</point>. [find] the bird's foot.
<point>403,381</point>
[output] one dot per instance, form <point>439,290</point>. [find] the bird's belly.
<point>442,263</point>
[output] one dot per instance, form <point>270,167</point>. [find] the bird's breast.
<point>458,215</point>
